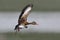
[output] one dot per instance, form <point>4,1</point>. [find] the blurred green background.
<point>30,36</point>
<point>39,5</point>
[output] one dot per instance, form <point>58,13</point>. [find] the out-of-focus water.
<point>47,21</point>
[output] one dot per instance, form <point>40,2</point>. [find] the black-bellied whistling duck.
<point>22,21</point>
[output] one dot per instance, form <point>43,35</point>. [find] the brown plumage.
<point>23,17</point>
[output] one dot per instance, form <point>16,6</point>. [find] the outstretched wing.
<point>25,11</point>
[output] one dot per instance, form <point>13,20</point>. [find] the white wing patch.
<point>21,26</point>
<point>27,12</point>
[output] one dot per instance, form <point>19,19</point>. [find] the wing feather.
<point>25,12</point>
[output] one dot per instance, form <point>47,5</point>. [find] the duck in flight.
<point>22,21</point>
